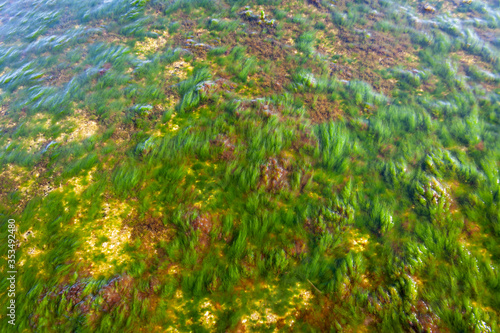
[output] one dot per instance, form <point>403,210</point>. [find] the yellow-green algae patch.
<point>78,127</point>
<point>82,126</point>
<point>151,45</point>
<point>19,175</point>
<point>179,69</point>
<point>105,238</point>
<point>356,240</point>
<point>260,315</point>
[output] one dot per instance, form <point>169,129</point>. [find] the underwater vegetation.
<point>250,165</point>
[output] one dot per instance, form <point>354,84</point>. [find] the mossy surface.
<point>251,166</point>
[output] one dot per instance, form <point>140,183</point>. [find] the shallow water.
<point>198,165</point>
